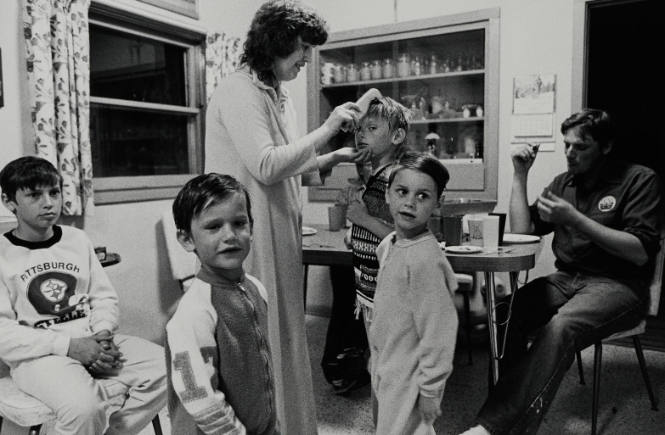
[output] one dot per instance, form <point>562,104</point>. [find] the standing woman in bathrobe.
<point>251,134</point>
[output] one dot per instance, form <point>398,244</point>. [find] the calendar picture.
<point>2,98</point>
<point>534,93</point>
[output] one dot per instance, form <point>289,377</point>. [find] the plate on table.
<point>308,231</point>
<point>520,238</point>
<point>464,249</point>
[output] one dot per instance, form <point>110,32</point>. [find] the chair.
<point>634,333</point>
<point>25,410</point>
<point>183,264</point>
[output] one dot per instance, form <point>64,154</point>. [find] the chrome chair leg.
<point>580,369</point>
<point>597,363</point>
<point>643,368</point>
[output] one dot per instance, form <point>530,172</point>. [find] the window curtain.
<point>222,55</point>
<point>58,64</point>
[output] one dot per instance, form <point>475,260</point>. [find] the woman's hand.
<point>356,212</point>
<point>429,409</point>
<point>348,154</point>
<point>344,117</point>
<point>347,239</point>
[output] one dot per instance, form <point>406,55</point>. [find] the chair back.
<point>183,264</point>
<point>657,282</point>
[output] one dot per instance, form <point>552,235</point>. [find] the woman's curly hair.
<point>274,32</point>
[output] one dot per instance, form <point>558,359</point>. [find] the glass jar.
<point>433,64</point>
<point>437,105</point>
<point>376,70</point>
<point>351,72</point>
<point>388,68</point>
<point>339,73</point>
<point>365,71</point>
<point>459,64</point>
<point>404,65</point>
<point>327,70</point>
<point>445,65</point>
<point>416,66</point>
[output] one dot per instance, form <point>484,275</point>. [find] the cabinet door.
<point>440,70</point>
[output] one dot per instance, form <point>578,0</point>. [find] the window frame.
<point>109,190</point>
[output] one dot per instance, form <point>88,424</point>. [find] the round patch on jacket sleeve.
<point>607,203</point>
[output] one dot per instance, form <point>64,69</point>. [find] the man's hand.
<point>523,156</point>
<point>429,409</point>
<point>556,210</point>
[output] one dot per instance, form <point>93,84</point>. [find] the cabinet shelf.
<point>475,72</point>
<point>446,120</point>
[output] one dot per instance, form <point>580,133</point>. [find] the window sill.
<point>114,190</point>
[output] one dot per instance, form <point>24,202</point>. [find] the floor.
<point>624,406</point>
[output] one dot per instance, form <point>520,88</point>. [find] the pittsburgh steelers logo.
<point>53,289</point>
<point>51,293</point>
<point>607,203</point>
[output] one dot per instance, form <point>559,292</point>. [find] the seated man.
<point>605,215</point>
<point>59,314</point>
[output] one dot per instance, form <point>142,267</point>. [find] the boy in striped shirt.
<point>219,365</point>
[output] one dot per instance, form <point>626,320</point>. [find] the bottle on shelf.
<point>432,146</point>
<point>422,107</point>
<point>339,73</point>
<point>433,64</point>
<point>445,65</point>
<point>388,68</point>
<point>376,70</point>
<point>351,72</point>
<point>404,65</point>
<point>437,104</point>
<point>365,71</point>
<point>416,66</point>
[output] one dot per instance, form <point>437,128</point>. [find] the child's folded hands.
<point>98,353</point>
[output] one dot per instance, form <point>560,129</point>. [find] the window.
<point>146,92</point>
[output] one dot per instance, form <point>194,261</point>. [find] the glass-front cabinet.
<point>445,70</point>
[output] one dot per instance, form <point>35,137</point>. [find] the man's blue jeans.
<point>563,312</point>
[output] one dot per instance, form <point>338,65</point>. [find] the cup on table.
<point>336,217</point>
<point>475,230</point>
<point>452,230</point>
<point>502,225</point>
<point>491,232</point>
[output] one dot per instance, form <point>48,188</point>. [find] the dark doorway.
<point>625,75</point>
